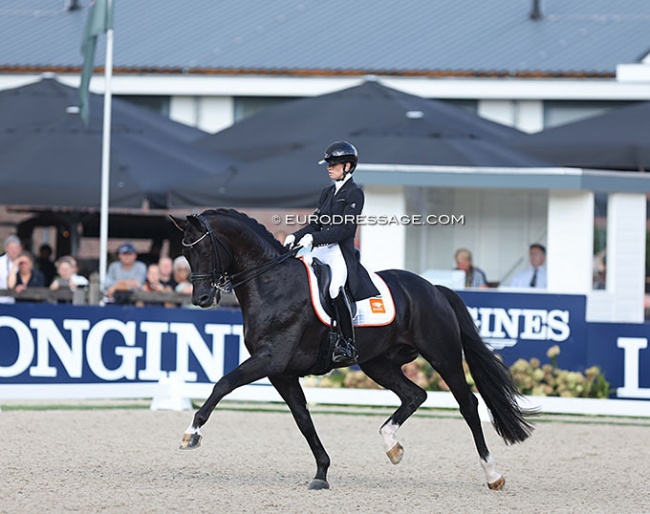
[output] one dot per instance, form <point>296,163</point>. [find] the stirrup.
<point>344,353</point>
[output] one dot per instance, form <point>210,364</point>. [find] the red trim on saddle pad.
<point>371,312</point>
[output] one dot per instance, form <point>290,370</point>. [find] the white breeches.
<point>331,254</point>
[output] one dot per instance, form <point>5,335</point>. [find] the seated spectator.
<point>67,277</point>
<point>165,266</point>
<point>152,284</point>
<point>600,270</point>
<point>13,248</point>
<point>23,274</point>
<point>535,275</point>
<point>45,265</point>
<point>182,275</point>
<point>474,277</point>
<point>124,275</point>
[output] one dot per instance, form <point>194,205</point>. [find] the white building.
<point>529,64</point>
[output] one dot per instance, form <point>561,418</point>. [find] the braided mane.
<point>253,224</point>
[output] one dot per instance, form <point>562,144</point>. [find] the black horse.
<point>226,248</point>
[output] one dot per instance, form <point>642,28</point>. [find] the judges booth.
<point>503,210</point>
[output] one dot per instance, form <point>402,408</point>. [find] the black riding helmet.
<point>341,151</point>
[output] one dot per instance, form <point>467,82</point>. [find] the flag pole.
<point>106,155</point>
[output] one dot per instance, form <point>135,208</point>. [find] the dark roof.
<point>411,37</point>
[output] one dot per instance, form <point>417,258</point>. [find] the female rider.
<point>330,237</point>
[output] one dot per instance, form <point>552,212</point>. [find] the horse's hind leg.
<point>454,377</point>
<point>292,393</point>
<point>389,374</point>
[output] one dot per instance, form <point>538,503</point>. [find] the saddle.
<point>371,312</point>
<point>324,277</point>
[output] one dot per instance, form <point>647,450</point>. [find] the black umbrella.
<point>617,140</point>
<point>280,146</point>
<point>326,118</point>
<point>49,158</point>
<point>291,179</point>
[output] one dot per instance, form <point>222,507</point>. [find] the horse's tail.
<point>491,376</point>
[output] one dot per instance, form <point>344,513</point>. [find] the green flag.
<point>100,19</point>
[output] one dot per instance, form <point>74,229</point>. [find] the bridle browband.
<point>220,279</point>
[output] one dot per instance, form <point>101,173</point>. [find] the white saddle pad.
<point>371,312</point>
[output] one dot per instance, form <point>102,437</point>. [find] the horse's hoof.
<point>396,453</point>
<point>317,484</point>
<point>498,484</point>
<point>191,441</point>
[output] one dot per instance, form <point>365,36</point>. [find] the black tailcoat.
<point>334,221</point>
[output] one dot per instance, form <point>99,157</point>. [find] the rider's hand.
<point>289,240</point>
<point>307,242</point>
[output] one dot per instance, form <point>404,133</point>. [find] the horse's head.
<point>209,257</point>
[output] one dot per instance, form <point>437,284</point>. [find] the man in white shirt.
<point>535,276</point>
<point>13,247</point>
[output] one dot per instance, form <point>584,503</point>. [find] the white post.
<point>570,241</point>
<point>626,234</point>
<point>106,156</point>
<point>383,245</point>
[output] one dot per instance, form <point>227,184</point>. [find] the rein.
<point>220,279</point>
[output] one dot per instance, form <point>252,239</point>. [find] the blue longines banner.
<point>87,345</point>
<point>521,325</point>
<point>621,350</point>
<point>525,325</point>
<point>67,345</point>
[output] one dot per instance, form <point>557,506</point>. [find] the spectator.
<point>535,275</point>
<point>182,275</point>
<point>152,284</point>
<point>67,277</point>
<point>45,265</point>
<point>474,277</point>
<point>165,266</point>
<point>12,248</point>
<point>126,274</point>
<point>600,270</point>
<point>23,274</point>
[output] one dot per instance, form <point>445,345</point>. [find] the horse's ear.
<point>194,221</point>
<point>179,222</point>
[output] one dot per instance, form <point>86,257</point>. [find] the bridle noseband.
<point>220,279</point>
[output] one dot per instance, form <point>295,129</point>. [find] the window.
<point>246,106</point>
<point>558,113</point>
<point>159,104</point>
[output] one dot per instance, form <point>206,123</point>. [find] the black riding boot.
<point>344,351</point>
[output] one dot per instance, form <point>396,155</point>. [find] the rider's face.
<point>336,170</point>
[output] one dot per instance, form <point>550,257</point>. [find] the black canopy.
<point>280,146</point>
<point>49,158</point>
<point>618,140</point>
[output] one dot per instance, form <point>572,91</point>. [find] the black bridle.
<point>220,279</point>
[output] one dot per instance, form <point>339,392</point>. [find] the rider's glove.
<point>307,242</point>
<point>289,240</point>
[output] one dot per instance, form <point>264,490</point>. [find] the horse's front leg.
<point>258,366</point>
<point>292,393</point>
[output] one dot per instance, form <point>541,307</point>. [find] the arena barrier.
<point>172,355</point>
